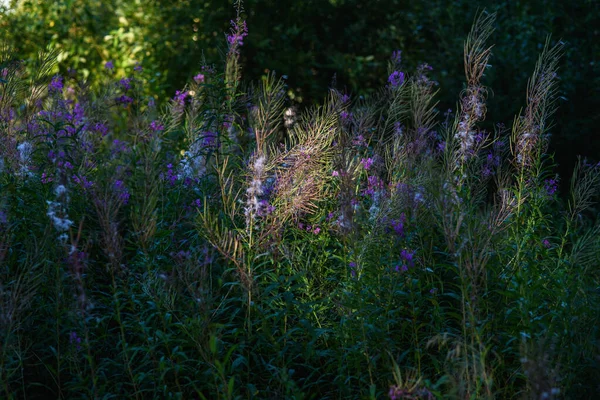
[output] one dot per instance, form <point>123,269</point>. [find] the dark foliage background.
<point>311,41</point>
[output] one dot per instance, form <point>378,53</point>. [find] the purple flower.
<point>156,126</point>
<point>100,128</point>
<point>199,78</point>
<point>397,57</point>
<point>125,100</point>
<point>422,78</point>
<point>317,230</point>
<point>335,173</point>
<point>83,182</point>
<point>396,79</point>
<point>346,116</point>
<point>546,243</point>
<point>374,184</point>
<point>75,340</point>
<point>401,268</point>
<point>485,171</point>
<point>210,139</point>
<point>238,32</point>
<point>119,146</point>
<point>407,256</point>
<point>56,85</point>
<point>352,266</point>
<point>180,97</point>
<point>125,83</point>
<point>264,208</point>
<point>227,121</point>
<point>398,225</point>
<point>7,115</point>
<point>78,114</point>
<point>551,186</point>
<point>119,185</point>
<point>46,178</point>
<point>367,163</point>
<point>138,67</point>
<point>441,146</point>
<point>359,141</point>
<point>109,65</point>
<point>171,175</point>
<point>121,190</point>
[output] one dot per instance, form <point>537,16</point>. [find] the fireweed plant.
<point>229,246</point>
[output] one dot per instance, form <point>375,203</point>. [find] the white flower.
<point>289,117</point>
<point>373,212</point>
<point>25,150</point>
<point>419,197</point>
<point>60,190</point>
<point>255,189</point>
<point>60,223</point>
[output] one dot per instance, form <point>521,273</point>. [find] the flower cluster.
<point>25,150</point>
<point>57,211</point>
<point>171,176</point>
<point>199,78</point>
<point>239,30</point>
<point>75,340</point>
<point>83,182</point>
<point>210,140</point>
<point>396,79</point>
<point>346,117</point>
<point>56,85</point>
<point>398,393</point>
<point>156,126</point>
<point>472,111</point>
<point>254,204</point>
<point>551,186</point>
<point>397,225</point>
<point>289,117</point>
<point>309,228</point>
<point>124,100</point>
<point>406,260</point>
<point>353,268</point>
<point>121,191</point>
<point>492,162</point>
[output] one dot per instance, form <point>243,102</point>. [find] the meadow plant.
<point>232,245</point>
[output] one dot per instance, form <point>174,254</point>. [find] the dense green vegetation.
<point>232,242</point>
<point>312,41</point>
